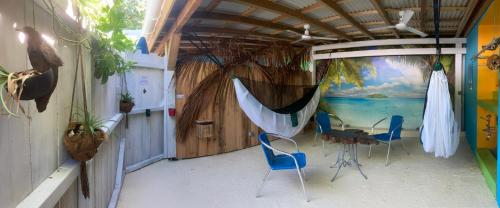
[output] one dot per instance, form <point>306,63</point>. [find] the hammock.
<point>285,121</point>
<point>439,132</point>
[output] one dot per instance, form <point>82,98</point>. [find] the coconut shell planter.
<point>126,107</point>
<point>82,146</point>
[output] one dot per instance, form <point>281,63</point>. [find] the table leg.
<point>341,164</point>
<point>356,161</point>
<point>338,162</point>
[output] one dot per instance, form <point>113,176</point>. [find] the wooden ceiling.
<point>260,21</point>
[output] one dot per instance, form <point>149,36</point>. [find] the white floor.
<point>231,180</point>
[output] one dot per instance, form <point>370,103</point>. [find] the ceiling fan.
<point>404,18</point>
<point>306,36</point>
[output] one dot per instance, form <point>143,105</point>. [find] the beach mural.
<point>363,90</point>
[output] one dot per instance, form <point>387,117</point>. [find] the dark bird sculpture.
<point>43,58</point>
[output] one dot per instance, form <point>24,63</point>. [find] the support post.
<point>171,52</point>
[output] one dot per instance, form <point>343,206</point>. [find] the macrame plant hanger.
<point>83,165</point>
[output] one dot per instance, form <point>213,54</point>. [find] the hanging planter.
<point>81,140</point>
<point>29,85</point>
<point>126,103</point>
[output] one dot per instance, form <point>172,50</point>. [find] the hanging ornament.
<point>493,62</point>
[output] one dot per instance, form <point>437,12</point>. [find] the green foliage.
<point>90,122</point>
<point>108,41</point>
<point>107,61</point>
<point>4,76</point>
<point>349,70</point>
<point>126,97</point>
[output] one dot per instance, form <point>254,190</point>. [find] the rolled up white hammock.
<point>440,133</point>
<point>270,121</point>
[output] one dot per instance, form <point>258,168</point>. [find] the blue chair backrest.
<point>323,120</point>
<point>267,152</point>
<point>396,121</point>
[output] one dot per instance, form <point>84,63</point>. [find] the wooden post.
<point>171,52</point>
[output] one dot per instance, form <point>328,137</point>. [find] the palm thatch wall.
<point>205,92</point>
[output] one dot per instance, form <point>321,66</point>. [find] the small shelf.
<point>488,166</point>
<point>489,105</point>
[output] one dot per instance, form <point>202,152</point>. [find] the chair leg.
<point>324,151</point>
<point>404,147</point>
<point>303,186</point>
<point>263,182</point>
<point>370,152</point>
<point>315,138</point>
<point>304,173</point>
<point>388,152</point>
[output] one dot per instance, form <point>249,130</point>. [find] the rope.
<point>74,84</point>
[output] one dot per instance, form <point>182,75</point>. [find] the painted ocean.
<point>364,112</point>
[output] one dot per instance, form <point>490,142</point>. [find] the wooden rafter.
<point>233,31</point>
<point>468,12</point>
<point>382,13</point>
<point>423,14</point>
<point>166,8</point>
<point>211,6</point>
<point>245,20</point>
<point>335,7</point>
<point>387,10</point>
<point>268,5</point>
<point>185,14</point>
<point>481,8</point>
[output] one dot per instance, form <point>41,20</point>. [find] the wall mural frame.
<point>398,47</point>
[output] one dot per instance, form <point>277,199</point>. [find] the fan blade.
<point>382,28</point>
<point>294,32</point>
<point>407,14</point>
<point>418,32</point>
<point>296,41</point>
<point>322,38</point>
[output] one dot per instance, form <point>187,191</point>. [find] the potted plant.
<point>126,102</point>
<point>81,140</point>
<point>26,85</point>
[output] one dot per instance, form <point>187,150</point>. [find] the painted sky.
<point>393,79</point>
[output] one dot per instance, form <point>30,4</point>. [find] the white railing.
<point>50,191</point>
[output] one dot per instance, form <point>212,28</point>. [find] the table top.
<point>351,136</point>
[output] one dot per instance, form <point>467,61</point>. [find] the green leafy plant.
<point>126,98</point>
<point>4,78</point>
<point>90,123</point>
<point>108,40</point>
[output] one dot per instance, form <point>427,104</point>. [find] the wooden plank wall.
<point>32,149</point>
<point>145,134</point>
<point>238,132</point>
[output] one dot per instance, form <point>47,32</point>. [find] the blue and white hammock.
<point>283,124</point>
<point>440,132</point>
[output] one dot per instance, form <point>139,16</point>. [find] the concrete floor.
<point>231,180</point>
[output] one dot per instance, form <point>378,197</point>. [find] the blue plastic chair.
<point>282,161</point>
<point>323,125</point>
<point>394,133</point>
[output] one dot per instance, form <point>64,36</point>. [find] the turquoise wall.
<point>470,89</point>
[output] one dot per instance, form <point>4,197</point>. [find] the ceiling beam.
<point>481,8</point>
<point>468,12</point>
<point>233,31</point>
<point>387,10</point>
<point>211,6</point>
<point>245,20</point>
<point>166,9</point>
<point>423,15</point>
<point>335,7</point>
<point>383,14</point>
<point>187,11</point>
<point>268,5</point>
